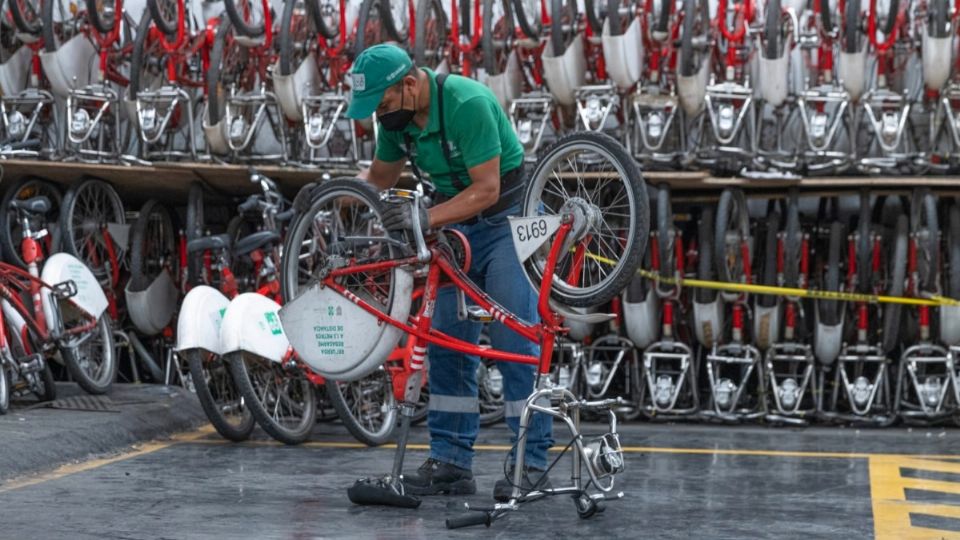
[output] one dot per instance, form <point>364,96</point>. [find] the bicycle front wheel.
<point>589,175</point>
<point>218,395</point>
<point>92,360</point>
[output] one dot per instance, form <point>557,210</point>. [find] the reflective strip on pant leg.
<point>515,408</point>
<point>454,404</point>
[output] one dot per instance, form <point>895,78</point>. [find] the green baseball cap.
<point>375,69</point>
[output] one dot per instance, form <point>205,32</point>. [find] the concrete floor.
<point>681,482</point>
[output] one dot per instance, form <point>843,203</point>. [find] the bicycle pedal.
<point>478,314</point>
<point>31,364</point>
<point>64,290</point>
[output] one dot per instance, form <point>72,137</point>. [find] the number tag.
<point>529,233</point>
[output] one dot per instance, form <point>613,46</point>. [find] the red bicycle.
<point>356,285</point>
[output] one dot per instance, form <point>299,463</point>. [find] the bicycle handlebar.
<point>470,519</point>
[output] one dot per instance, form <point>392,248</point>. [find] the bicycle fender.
<point>201,316</point>
<point>62,267</point>
<point>251,324</point>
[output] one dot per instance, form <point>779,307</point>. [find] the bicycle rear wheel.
<point>371,28</point>
<point>218,395</point>
<point>283,402</point>
<point>591,175</point>
<point>88,209</point>
<point>92,359</point>
<point>395,15</point>
<point>164,14</point>
<point>343,220</point>
<point>101,15</point>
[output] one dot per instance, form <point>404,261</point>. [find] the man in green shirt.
<point>453,129</point>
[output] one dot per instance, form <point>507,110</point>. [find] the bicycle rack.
<point>600,374</point>
<point>946,117</point>
<point>862,374</point>
<point>669,369</point>
<point>923,391</point>
<point>239,131</point>
<point>22,119</point>
<point>94,124</point>
<point>529,115</point>
<point>158,120</point>
<point>732,117</point>
<point>743,365</point>
<point>887,115</point>
<point>824,111</point>
<point>595,106</point>
<point>790,370</point>
<point>658,135</point>
<point>328,134</point>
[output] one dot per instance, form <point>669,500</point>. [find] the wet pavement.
<point>681,482</point>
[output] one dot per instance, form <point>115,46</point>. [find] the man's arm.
<point>383,174</point>
<point>482,193</point>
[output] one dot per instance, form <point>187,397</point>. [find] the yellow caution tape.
<point>933,300</point>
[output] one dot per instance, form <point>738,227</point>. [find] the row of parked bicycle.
<point>784,86</point>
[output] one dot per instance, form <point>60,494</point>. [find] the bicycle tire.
<point>851,23</point>
<point>242,377</point>
<point>705,265</point>
<point>557,39</point>
<point>195,229</point>
<point>96,17</point>
<point>429,10</point>
<point>138,57</point>
<point>771,30</point>
<point>664,227</point>
<point>76,364</point>
<point>938,22</point>
<point>953,251</point>
<point>214,104</point>
<point>360,432</point>
<point>239,21</point>
<point>4,389</point>
<point>687,68</point>
<point>830,312</point>
<point>490,63</point>
<point>72,229</point>
<point>924,218</point>
<point>327,29</point>
<point>11,234</point>
<point>287,39</point>
<point>864,246</point>
<point>891,19</point>
<point>768,275</point>
<point>396,31</point>
<point>613,15</point>
<point>22,22</point>
<point>731,212</point>
<point>636,225</point>
<point>46,27</point>
<point>213,406</point>
<point>826,18</point>
<point>466,17</point>
<point>291,271</point>
<point>530,29</point>
<point>368,8</point>
<point>595,18</point>
<point>662,21</point>
<point>156,10</point>
<point>140,275</point>
<point>896,282</point>
<point>793,241</point>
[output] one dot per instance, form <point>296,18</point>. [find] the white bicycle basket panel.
<point>252,324</point>
<point>336,337</point>
<point>201,316</point>
<point>62,267</point>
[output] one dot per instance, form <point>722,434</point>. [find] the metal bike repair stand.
<point>388,489</point>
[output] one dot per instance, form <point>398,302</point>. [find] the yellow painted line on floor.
<point>891,509</point>
<point>74,468</point>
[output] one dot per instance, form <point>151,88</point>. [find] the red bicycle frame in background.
<point>661,55</point>
<point>185,46</point>
<point>884,49</point>
<point>735,36</point>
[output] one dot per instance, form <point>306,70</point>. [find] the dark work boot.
<point>435,478</point>
<point>532,479</point>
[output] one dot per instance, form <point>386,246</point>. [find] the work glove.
<point>399,217</point>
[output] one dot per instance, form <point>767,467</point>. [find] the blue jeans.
<point>453,417</point>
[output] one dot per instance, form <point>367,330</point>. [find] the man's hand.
<point>399,217</point>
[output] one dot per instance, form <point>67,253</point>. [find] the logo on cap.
<point>359,84</point>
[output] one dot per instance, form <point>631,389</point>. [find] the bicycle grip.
<point>469,519</point>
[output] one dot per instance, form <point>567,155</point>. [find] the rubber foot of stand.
<point>374,492</point>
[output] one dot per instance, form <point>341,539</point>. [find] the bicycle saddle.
<point>216,243</point>
<point>255,241</point>
<point>34,205</point>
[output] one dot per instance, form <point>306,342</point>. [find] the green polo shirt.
<point>477,130</point>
